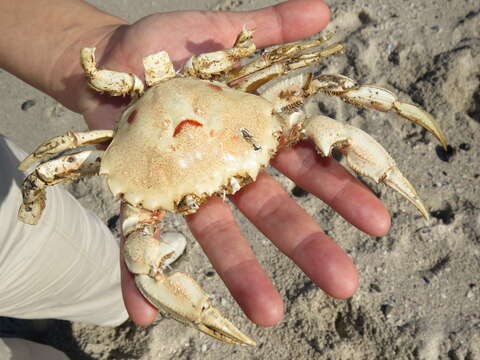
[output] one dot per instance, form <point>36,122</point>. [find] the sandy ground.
<point>420,288</point>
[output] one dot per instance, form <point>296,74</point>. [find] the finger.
<point>139,309</point>
<point>297,235</point>
<point>330,182</point>
<point>285,22</point>
<point>215,229</point>
<point>212,31</point>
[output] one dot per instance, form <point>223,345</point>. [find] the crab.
<point>207,130</point>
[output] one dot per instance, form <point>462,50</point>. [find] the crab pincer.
<point>175,295</point>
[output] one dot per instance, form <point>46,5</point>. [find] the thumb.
<point>285,22</point>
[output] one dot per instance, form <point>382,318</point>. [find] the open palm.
<point>264,202</point>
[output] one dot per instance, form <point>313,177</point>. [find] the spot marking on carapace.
<point>214,87</point>
<point>184,123</point>
<point>131,117</point>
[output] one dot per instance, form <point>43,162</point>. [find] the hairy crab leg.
<point>376,98</point>
<point>70,140</point>
<point>250,83</point>
<point>364,155</point>
<point>111,82</point>
<point>288,95</point>
<point>176,295</point>
<point>52,172</point>
<point>272,56</point>
<point>208,65</point>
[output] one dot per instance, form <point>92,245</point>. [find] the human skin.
<point>40,44</point>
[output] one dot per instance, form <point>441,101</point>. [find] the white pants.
<point>65,267</point>
<point>20,349</point>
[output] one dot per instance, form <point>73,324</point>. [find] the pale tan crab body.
<point>189,137</point>
<point>208,130</point>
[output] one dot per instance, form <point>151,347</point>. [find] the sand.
<point>420,289</point>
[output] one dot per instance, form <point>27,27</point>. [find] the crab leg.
<point>53,172</point>
<point>113,83</point>
<point>176,295</point>
<point>64,142</point>
<point>376,98</point>
<point>158,67</point>
<point>272,56</point>
<point>364,155</point>
<point>250,83</point>
<point>288,95</point>
<point>207,65</point>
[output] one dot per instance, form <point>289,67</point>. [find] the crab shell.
<point>185,140</point>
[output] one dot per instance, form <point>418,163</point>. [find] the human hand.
<point>264,202</point>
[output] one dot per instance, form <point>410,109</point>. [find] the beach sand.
<point>420,290</point>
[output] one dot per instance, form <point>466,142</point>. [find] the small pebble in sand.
<point>27,104</point>
<point>445,155</point>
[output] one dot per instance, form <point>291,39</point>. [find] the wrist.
<point>42,41</point>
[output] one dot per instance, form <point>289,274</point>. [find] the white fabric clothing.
<point>65,267</point>
<point>21,349</point>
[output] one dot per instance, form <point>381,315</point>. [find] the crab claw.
<point>180,297</point>
<point>363,153</point>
